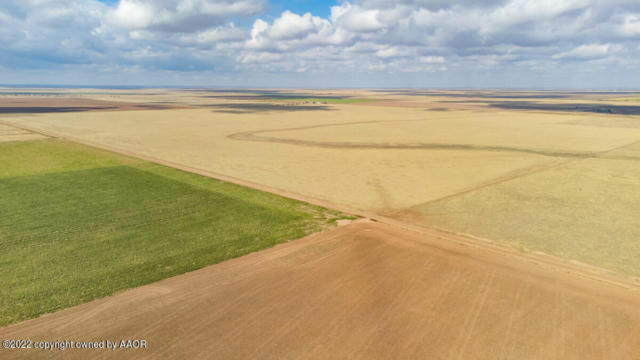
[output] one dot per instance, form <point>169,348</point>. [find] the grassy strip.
<point>78,224</point>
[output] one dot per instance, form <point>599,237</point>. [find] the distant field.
<point>79,224</point>
<point>551,172</point>
<point>586,210</point>
<point>334,100</point>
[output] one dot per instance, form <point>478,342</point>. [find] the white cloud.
<point>179,15</point>
<point>292,26</point>
<point>131,14</point>
<point>431,59</point>
<point>356,19</point>
<point>219,34</point>
<point>585,52</point>
<point>290,31</point>
<point>414,35</point>
<point>631,25</point>
<point>467,39</point>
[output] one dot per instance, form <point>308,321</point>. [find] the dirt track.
<point>362,291</point>
<point>10,133</point>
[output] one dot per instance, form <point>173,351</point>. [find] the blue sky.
<point>318,8</point>
<point>301,43</point>
<point>275,8</point>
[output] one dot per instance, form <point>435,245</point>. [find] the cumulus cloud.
<point>179,15</point>
<point>457,38</point>
<point>290,32</point>
<point>36,33</point>
<point>415,35</point>
<point>431,4</point>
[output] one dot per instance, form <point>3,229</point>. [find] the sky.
<point>533,44</point>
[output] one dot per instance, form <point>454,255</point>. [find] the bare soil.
<point>365,290</point>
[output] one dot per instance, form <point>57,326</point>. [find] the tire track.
<point>258,136</point>
<point>474,314</point>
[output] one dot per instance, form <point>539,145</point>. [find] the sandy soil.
<point>365,291</point>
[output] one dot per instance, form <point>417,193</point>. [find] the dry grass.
<point>586,210</point>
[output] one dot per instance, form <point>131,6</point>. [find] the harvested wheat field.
<point>480,163</point>
<point>11,133</point>
<point>364,290</point>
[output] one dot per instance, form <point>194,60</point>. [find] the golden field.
<point>558,176</point>
<point>480,211</point>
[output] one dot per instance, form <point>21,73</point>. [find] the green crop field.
<point>77,223</point>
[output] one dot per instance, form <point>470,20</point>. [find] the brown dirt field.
<point>365,290</point>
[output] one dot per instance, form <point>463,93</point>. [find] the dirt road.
<point>366,290</point>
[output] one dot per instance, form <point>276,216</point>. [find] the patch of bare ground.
<point>365,290</point>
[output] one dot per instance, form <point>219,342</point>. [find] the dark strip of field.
<point>506,94</point>
<point>265,95</point>
<point>494,96</point>
<point>37,105</point>
<point>79,223</point>
<point>50,109</point>
<point>585,107</point>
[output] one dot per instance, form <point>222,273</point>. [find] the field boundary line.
<point>521,173</point>
<point>447,237</point>
<point>512,175</point>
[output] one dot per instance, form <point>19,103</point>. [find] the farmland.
<point>395,156</point>
<point>361,291</point>
<point>80,223</point>
<point>503,224</point>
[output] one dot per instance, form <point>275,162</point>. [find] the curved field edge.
<point>80,223</point>
<point>259,136</point>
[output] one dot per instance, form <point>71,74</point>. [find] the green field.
<point>77,223</point>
